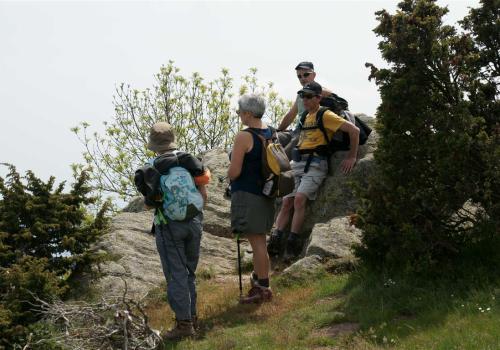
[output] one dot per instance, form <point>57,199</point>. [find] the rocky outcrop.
<point>136,261</point>
<point>336,197</point>
<point>217,212</point>
<point>134,258</point>
<point>331,241</point>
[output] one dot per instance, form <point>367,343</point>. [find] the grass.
<point>377,312</point>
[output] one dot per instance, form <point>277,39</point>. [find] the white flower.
<point>408,132</point>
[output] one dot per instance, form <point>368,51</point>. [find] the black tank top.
<point>250,179</point>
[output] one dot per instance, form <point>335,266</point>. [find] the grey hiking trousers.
<point>179,264</point>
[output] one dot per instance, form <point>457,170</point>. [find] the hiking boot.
<point>275,243</point>
<point>182,329</point>
<point>257,295</point>
<point>293,247</point>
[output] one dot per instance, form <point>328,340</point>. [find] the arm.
<point>353,131</point>
<point>289,117</point>
<point>203,191</point>
<point>243,143</point>
<point>201,182</point>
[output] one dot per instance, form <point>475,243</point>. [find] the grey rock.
<point>304,266</point>
<point>135,259</point>
<point>333,239</point>
<point>136,205</point>
<point>336,196</point>
<point>217,213</point>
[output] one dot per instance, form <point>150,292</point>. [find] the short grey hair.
<point>252,103</point>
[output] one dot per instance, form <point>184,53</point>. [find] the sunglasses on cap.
<point>305,75</point>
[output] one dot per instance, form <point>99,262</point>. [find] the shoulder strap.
<point>175,152</point>
<point>303,119</point>
<point>164,171</point>
<point>319,122</point>
<point>262,138</point>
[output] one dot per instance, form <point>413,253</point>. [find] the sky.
<point>61,61</point>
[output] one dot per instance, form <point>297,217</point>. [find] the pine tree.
<point>427,201</point>
<point>45,236</point>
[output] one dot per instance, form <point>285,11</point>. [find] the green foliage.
<point>436,191</point>
<point>45,236</point>
<point>200,112</point>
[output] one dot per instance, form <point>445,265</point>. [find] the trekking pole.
<point>239,263</point>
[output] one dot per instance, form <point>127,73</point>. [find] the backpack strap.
<point>320,124</point>
<point>302,119</point>
<point>262,138</point>
<point>263,151</point>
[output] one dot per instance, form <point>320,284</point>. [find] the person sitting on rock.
<point>252,213</point>
<point>178,242</point>
<point>308,181</point>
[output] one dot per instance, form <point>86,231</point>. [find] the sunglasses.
<point>308,96</point>
<point>305,75</point>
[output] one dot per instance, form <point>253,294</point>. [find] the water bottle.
<point>268,187</point>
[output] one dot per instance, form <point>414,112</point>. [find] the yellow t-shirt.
<point>310,139</point>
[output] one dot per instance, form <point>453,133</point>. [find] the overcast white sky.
<point>60,61</point>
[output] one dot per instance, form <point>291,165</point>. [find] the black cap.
<point>311,88</point>
<point>305,65</point>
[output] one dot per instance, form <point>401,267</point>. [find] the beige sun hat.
<point>161,138</point>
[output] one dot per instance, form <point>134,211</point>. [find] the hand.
<point>348,164</point>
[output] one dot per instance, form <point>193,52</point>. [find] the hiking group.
<point>259,172</point>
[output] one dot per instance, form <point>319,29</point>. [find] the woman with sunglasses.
<point>252,213</point>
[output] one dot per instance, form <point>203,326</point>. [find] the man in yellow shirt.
<point>308,179</point>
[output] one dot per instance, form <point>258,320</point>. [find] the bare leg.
<point>299,206</point>
<point>284,214</point>
<point>260,257</point>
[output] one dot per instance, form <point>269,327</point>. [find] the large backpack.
<point>340,140</point>
<point>276,169</point>
<point>173,192</point>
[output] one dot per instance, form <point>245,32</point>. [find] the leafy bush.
<point>199,111</point>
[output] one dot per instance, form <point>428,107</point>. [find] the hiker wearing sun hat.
<point>178,242</point>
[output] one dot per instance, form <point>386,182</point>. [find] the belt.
<point>314,158</point>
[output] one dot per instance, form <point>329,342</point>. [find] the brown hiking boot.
<point>182,329</point>
<point>257,295</point>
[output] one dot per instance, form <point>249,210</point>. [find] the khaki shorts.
<point>251,214</point>
<point>309,182</point>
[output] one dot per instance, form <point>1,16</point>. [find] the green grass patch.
<point>351,311</point>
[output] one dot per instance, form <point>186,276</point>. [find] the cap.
<point>305,65</point>
<point>311,88</point>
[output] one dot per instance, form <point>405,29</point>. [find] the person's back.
<point>250,179</point>
<point>178,242</point>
